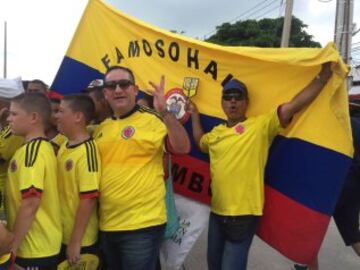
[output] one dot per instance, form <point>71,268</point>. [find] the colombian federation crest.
<point>127,132</point>
<point>239,129</point>
<point>69,164</point>
<point>176,101</point>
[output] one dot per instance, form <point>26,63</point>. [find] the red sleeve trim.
<point>31,192</point>
<point>89,194</point>
<point>282,121</point>
<point>171,150</point>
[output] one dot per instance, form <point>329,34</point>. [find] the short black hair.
<point>81,103</point>
<point>43,85</point>
<point>35,102</point>
<point>128,70</point>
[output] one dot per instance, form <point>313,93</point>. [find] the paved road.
<point>333,255</point>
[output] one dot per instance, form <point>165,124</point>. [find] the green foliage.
<point>263,33</point>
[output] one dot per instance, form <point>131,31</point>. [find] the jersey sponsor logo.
<point>176,101</point>
<point>239,129</point>
<point>127,132</point>
<point>13,166</point>
<point>69,164</point>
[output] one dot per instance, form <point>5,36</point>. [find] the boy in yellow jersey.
<point>238,152</point>
<point>132,192</point>
<point>78,175</point>
<point>32,201</point>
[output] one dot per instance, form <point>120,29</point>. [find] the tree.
<point>263,33</point>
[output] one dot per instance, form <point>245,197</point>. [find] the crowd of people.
<point>84,173</point>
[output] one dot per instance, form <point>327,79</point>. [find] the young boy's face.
<point>65,118</point>
<point>19,120</point>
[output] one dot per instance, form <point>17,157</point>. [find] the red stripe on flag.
<point>291,228</point>
<point>191,177</point>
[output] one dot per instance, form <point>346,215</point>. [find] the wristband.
<point>164,112</point>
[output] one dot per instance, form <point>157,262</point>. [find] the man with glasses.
<point>238,152</point>
<point>131,144</point>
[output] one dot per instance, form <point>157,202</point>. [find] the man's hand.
<point>325,72</point>
<point>191,107</point>
<point>159,95</point>
<point>73,252</point>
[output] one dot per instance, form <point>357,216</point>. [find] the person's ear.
<point>35,118</point>
<point>79,117</point>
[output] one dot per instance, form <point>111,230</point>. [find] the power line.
<point>267,12</point>
<point>261,9</point>
<point>257,8</point>
<point>281,8</point>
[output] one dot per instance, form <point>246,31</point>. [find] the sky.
<point>40,31</point>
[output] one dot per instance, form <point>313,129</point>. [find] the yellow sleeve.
<point>32,171</point>
<point>9,144</point>
<point>272,124</point>
<point>204,143</point>
<point>88,169</point>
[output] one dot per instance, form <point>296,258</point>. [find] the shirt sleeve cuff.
<point>92,194</point>
<point>31,192</point>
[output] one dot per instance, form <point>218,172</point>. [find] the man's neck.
<point>122,113</point>
<point>234,122</point>
<point>78,136</point>
<point>36,133</point>
<point>51,133</point>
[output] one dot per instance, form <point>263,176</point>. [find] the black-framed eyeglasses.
<point>123,84</point>
<point>237,96</point>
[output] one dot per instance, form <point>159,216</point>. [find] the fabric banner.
<point>308,161</point>
<point>193,218</point>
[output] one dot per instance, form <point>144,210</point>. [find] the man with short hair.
<point>131,145</point>
<point>238,151</point>
<point>95,92</point>
<point>37,86</point>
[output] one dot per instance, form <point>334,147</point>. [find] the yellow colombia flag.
<point>307,162</point>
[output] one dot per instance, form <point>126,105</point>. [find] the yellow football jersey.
<point>238,157</point>
<point>79,170</point>
<point>132,192</point>
<point>59,139</point>
<point>33,172</point>
<point>9,143</point>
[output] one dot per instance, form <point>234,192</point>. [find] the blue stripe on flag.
<point>74,76</point>
<point>309,174</point>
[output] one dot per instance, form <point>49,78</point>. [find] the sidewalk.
<point>333,255</point>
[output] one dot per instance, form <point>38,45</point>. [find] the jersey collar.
<point>133,110</point>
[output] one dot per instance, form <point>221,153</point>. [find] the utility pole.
<point>344,28</point>
<point>287,24</point>
<point>5,49</point>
